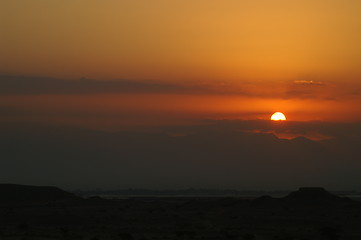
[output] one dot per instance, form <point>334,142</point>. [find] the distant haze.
<point>218,155</point>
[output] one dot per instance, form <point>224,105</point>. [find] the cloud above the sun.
<point>296,89</point>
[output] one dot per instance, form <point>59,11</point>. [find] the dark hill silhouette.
<point>313,195</point>
<point>265,199</point>
<point>10,193</point>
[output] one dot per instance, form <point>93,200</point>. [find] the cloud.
<point>26,85</point>
<point>282,90</point>
<point>334,130</point>
<point>309,82</point>
<point>308,89</point>
<point>22,85</point>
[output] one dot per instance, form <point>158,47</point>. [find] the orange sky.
<point>174,40</point>
<point>299,57</point>
<point>116,111</point>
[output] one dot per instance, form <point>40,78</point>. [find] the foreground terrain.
<point>309,213</point>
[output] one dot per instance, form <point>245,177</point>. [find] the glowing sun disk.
<point>278,116</point>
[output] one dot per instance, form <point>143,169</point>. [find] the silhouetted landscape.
<point>29,212</point>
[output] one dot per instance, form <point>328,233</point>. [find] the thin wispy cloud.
<point>309,82</point>
<point>298,89</point>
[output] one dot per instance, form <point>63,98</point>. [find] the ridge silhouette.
<point>313,195</point>
<point>10,193</point>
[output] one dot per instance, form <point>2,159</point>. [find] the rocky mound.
<point>22,193</point>
<point>313,195</point>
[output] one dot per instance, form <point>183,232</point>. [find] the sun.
<point>278,116</point>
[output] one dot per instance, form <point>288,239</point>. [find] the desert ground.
<point>304,215</point>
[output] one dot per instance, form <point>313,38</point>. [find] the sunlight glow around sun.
<point>278,116</point>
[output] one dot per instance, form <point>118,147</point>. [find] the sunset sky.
<point>124,65</point>
<point>239,59</point>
